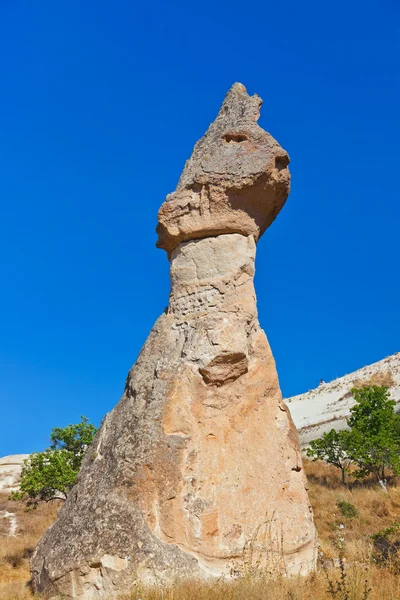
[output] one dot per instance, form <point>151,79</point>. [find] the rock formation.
<point>328,406</point>
<point>200,458</point>
<point>236,180</point>
<point>10,471</point>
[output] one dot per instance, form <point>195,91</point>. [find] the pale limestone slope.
<point>328,405</point>
<point>10,471</point>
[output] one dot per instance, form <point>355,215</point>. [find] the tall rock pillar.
<point>199,461</point>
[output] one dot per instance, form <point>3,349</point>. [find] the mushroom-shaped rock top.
<point>236,180</point>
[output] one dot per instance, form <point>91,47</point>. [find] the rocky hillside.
<point>328,405</point>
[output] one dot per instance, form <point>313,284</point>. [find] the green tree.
<point>374,440</point>
<point>332,448</point>
<point>75,439</point>
<point>50,475</point>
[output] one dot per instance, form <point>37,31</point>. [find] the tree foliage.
<point>373,442</point>
<point>331,448</point>
<point>74,439</point>
<point>51,474</point>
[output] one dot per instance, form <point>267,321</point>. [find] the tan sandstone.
<point>196,473</point>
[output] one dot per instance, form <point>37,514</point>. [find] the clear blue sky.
<point>101,103</point>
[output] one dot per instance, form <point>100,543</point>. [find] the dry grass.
<point>16,551</point>
<point>315,587</point>
<point>376,511</point>
<point>380,378</point>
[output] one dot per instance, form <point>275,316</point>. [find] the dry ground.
<point>16,551</point>
<point>376,511</point>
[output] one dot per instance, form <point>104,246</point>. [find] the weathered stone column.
<point>199,461</point>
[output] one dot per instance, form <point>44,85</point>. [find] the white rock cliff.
<point>10,471</point>
<point>328,406</point>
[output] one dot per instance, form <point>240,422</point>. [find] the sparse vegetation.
<point>347,509</point>
<point>380,379</point>
<point>50,475</point>
<point>358,524</point>
<point>373,442</point>
<point>364,565</point>
<point>331,448</point>
<point>15,552</point>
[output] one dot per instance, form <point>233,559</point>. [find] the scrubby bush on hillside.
<point>347,509</point>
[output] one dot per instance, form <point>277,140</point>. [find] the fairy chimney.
<point>199,461</point>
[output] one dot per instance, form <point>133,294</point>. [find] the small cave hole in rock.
<point>235,137</point>
<point>281,162</point>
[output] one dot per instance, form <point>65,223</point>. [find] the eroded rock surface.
<point>236,180</point>
<point>200,458</point>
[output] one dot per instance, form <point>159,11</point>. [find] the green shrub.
<point>347,509</point>
<point>389,532</point>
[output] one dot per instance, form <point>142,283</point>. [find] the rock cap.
<point>236,180</point>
